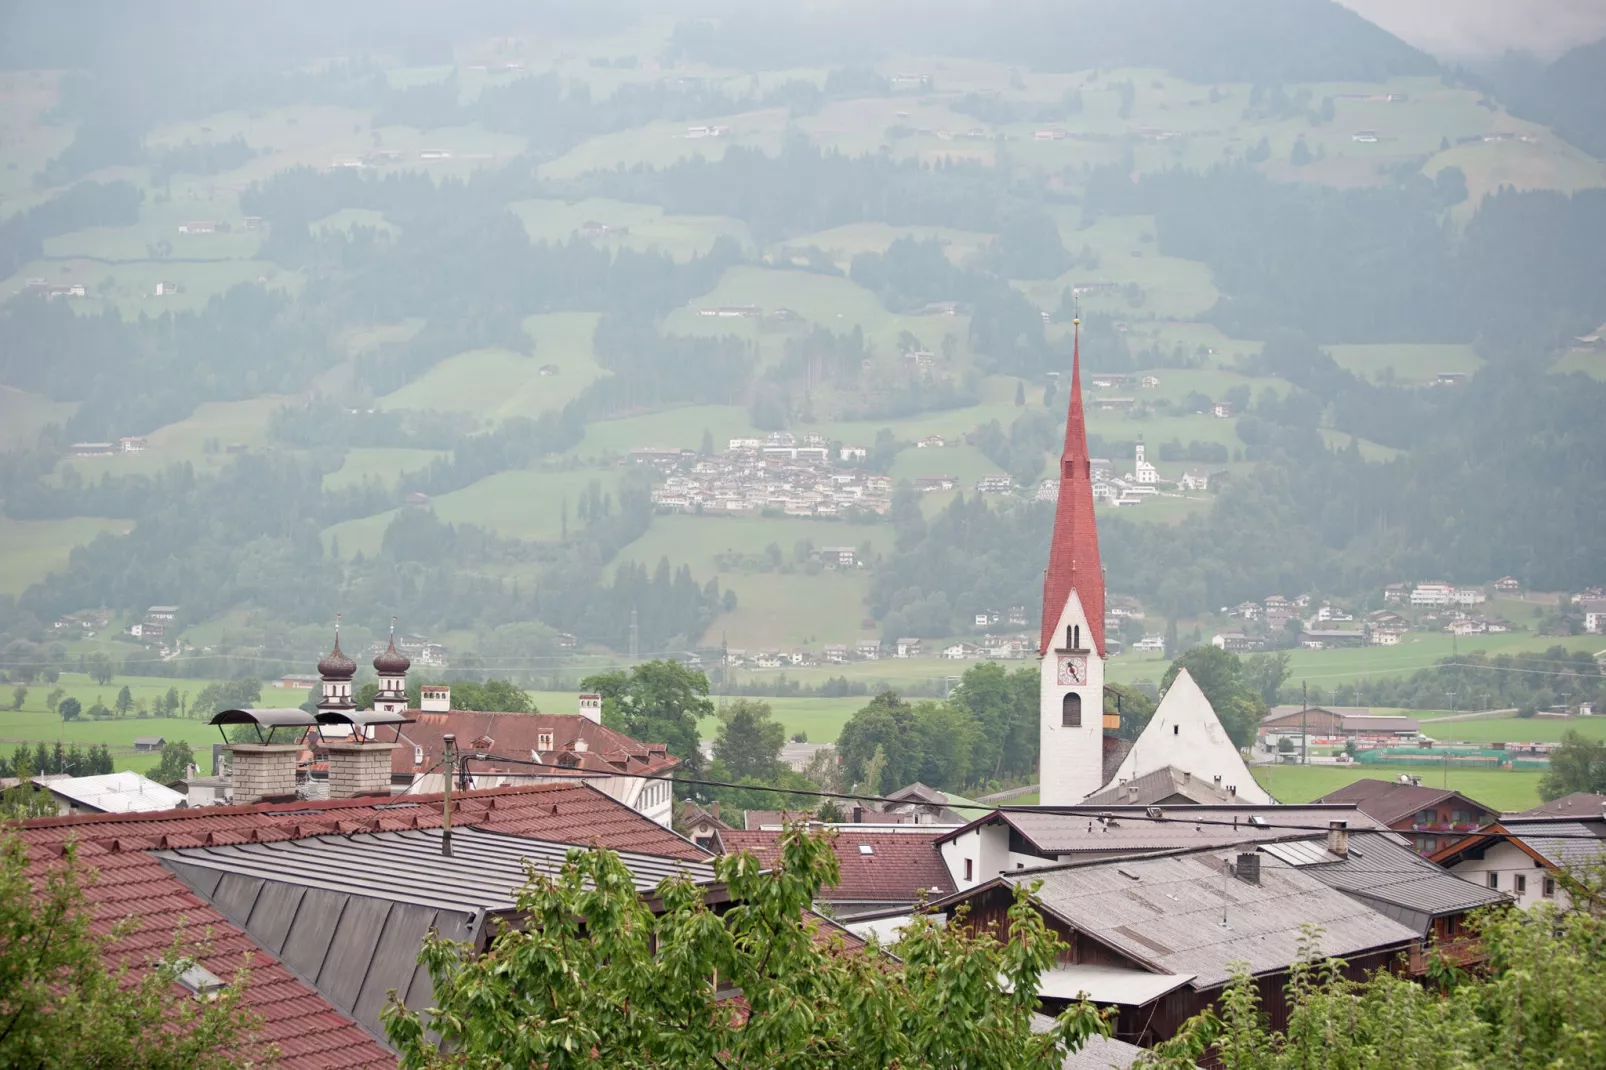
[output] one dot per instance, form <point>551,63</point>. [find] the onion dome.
<point>392,662</point>
<point>335,665</point>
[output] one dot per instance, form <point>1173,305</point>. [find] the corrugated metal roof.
<point>115,793</point>
<point>1182,827</point>
<point>1385,872</point>
<point>1563,843</point>
<point>1099,1053</point>
<point>1108,984</point>
<point>408,867</point>
<point>1167,913</point>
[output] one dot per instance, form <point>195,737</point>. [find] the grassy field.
<point>696,541</point>
<point>644,226</point>
<point>843,243</point>
<point>681,427</point>
<point>216,422</point>
<point>1500,789</point>
<point>24,415</point>
<point>660,144</point>
<point>1372,451</point>
<point>1592,362</point>
<point>1517,730</point>
<point>1409,363</point>
<point>495,384</point>
<point>31,549</point>
<point>785,611</point>
<point>383,464</point>
<point>36,722</point>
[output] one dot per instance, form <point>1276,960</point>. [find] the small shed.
<point>149,744</point>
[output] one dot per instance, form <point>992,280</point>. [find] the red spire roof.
<point>1073,557</point>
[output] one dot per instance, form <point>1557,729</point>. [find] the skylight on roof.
<point>202,982</point>
<point>866,849</point>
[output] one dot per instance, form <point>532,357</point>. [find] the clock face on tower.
<point>1073,669</point>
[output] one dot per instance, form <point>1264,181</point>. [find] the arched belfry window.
<point>1071,711</point>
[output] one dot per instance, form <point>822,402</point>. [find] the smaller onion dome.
<point>335,665</point>
<point>392,662</point>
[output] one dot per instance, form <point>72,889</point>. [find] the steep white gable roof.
<point>1186,733</point>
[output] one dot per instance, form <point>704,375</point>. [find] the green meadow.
<point>1497,788</point>
<point>31,549</point>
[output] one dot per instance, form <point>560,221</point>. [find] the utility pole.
<point>1304,723</point>
<point>450,745</point>
<point>635,635</point>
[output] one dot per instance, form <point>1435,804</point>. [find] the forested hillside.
<point>439,317</point>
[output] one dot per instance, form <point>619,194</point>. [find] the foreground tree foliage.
<point>594,978</point>
<point>64,1004</point>
<point>1540,1002</point>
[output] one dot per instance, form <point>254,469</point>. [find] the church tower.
<point>1071,644</point>
<point>336,671</point>
<point>392,668</point>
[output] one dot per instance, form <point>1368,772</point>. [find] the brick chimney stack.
<point>359,767</point>
<point>263,771</point>
<point>1338,838</point>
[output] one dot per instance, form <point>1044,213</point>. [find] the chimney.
<point>263,771</point>
<point>1338,838</point>
<point>435,698</point>
<point>1248,868</point>
<point>1187,777</point>
<point>1132,791</point>
<point>591,708</point>
<point>858,814</point>
<point>358,768</point>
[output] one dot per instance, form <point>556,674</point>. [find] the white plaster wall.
<point>1071,762</point>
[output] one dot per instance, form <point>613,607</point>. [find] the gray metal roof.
<point>348,914</point>
<point>1562,843</point>
<point>1099,1053</point>
<point>1167,912</point>
<point>1182,827</point>
<point>1389,877</point>
<point>1159,785</point>
<point>360,717</point>
<point>407,866</point>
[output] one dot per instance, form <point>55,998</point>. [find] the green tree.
<point>19,695</point>
<point>53,700</point>
<point>1220,675</point>
<point>176,760</point>
<point>657,702</point>
<point>1577,764</point>
<point>62,1002</point>
<point>1003,705</point>
<point>886,724</point>
<point>1266,673</point>
<point>125,701</point>
<point>1131,705</point>
<point>595,978</point>
<point>69,709</point>
<point>21,802</point>
<point>749,741</point>
<point>1539,1001</point>
<point>99,667</point>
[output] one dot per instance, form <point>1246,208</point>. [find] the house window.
<point>1071,711</point>
<point>1494,880</point>
<point>1548,888</point>
<point>1425,817</point>
<point>1522,884</point>
<point>970,869</point>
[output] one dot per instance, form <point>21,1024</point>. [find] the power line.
<point>1174,817</point>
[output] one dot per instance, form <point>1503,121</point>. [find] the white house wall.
<point>1510,862</point>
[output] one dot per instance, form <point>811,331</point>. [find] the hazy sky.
<point>1474,29</point>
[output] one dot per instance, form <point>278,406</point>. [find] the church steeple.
<point>1073,557</point>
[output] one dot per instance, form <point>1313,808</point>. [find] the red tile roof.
<point>1073,556</point>
<point>309,1032</point>
<point>579,745</point>
<point>900,867</point>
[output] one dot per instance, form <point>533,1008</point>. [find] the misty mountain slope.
<point>1260,41</point>
<point>1570,96</point>
<point>476,323</point>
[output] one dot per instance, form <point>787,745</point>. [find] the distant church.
<point>1080,755</point>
